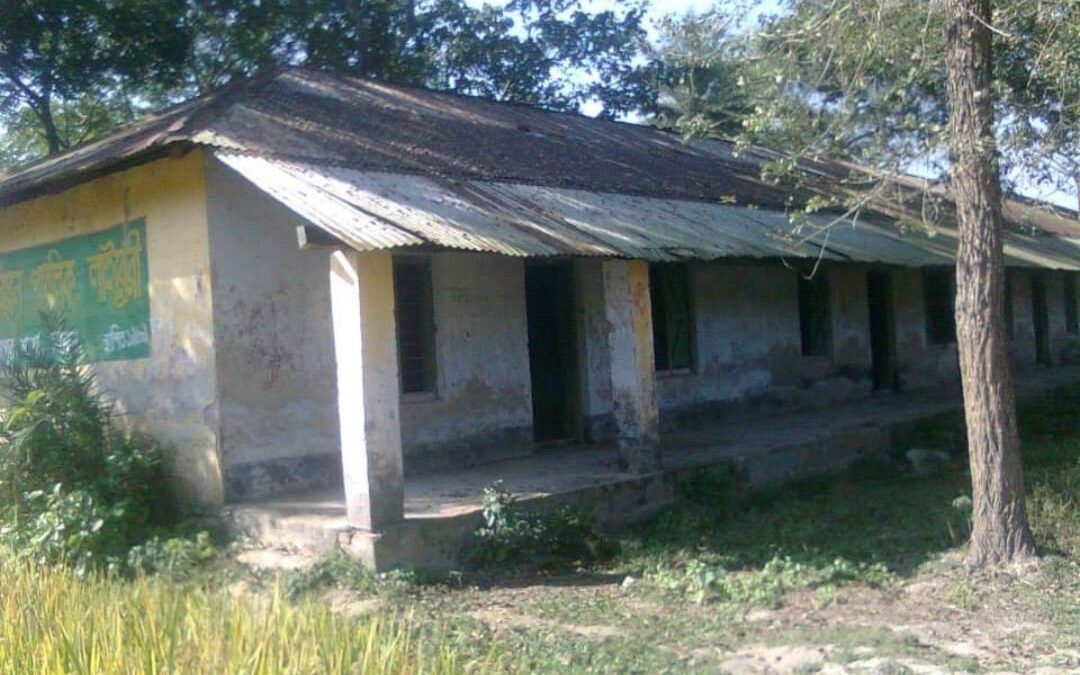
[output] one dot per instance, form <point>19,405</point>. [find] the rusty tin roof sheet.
<point>393,166</point>
<point>378,210</point>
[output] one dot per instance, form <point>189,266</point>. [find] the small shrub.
<point>702,580</point>
<point>176,557</point>
<point>74,487</point>
<point>338,570</point>
<point>959,522</point>
<point>512,537</point>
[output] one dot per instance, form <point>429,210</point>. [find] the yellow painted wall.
<point>172,394</point>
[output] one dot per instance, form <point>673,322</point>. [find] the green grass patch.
<point>872,525</point>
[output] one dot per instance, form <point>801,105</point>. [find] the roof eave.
<point>17,191</point>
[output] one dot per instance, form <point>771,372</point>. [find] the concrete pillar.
<point>365,344</point>
<point>633,370</point>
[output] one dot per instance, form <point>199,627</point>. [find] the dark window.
<point>815,315</point>
<point>938,301</point>
<point>1010,322</point>
<point>669,286</point>
<point>414,311</point>
<point>1072,320</point>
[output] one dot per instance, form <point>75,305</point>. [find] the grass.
<point>819,548</point>
<point>873,525</point>
<point>827,563</point>
<point>55,622</point>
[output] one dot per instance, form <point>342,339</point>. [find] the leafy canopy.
<point>70,71</point>
<point>865,80</point>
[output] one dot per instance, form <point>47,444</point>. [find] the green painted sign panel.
<point>98,282</point>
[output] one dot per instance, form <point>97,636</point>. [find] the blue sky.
<point>660,8</point>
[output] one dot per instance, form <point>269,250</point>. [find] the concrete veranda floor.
<point>768,448</point>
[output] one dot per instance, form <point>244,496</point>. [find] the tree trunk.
<point>48,128</point>
<point>1000,531</point>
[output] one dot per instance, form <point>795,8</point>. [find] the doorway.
<point>553,367</point>
<point>882,331</point>
<point>1040,319</point>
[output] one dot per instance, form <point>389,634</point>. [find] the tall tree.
<point>902,86</point>
<point>1000,527</point>
<point>697,74</point>
<point>52,54</point>
<point>70,70</point>
<point>1035,58</point>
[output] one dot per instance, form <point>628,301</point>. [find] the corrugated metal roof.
<point>332,119</point>
<point>377,210</point>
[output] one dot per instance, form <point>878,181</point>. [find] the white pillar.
<point>365,343</point>
<point>628,308</point>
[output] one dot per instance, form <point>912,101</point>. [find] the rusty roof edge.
<point>577,222</point>
<point>168,132</point>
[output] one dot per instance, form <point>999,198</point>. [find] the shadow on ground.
<point>878,513</point>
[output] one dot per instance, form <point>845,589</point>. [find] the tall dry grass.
<point>54,622</point>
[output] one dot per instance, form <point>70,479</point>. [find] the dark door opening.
<point>549,301</point>
<point>1040,319</point>
<point>882,331</point>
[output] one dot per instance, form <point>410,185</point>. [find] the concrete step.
<point>279,525</point>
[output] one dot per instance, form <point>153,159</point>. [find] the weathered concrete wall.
<point>482,406</point>
<point>274,337</point>
<point>276,353</point>
<point>850,320</point>
<point>1055,299</point>
<point>1022,347</point>
<point>747,343</point>
<point>172,394</point>
<point>920,363</point>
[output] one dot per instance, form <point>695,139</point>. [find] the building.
<point>308,276</point>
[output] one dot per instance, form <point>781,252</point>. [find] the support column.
<point>365,344</point>
<point>628,309</point>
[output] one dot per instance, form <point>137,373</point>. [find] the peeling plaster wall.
<point>850,320</point>
<point>747,343</point>
<point>918,362</point>
<point>172,394</point>
<point>747,340</point>
<point>1022,348</point>
<point>1055,299</point>
<point>276,358</point>
<point>274,337</point>
<point>482,406</point>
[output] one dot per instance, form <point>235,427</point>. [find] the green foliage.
<point>74,487</point>
<point>179,558</point>
<point>866,81</point>
<point>56,54</point>
<point>703,581</point>
<point>512,537</point>
<point>94,63</point>
<point>872,525</point>
<point>338,570</point>
<point>697,69</point>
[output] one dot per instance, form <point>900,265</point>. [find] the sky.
<point>661,8</point>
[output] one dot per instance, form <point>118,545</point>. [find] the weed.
<point>178,557</point>
<point>703,581</point>
<point>338,570</point>
<point>964,596</point>
<point>959,522</point>
<point>74,487</point>
<point>512,537</point>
